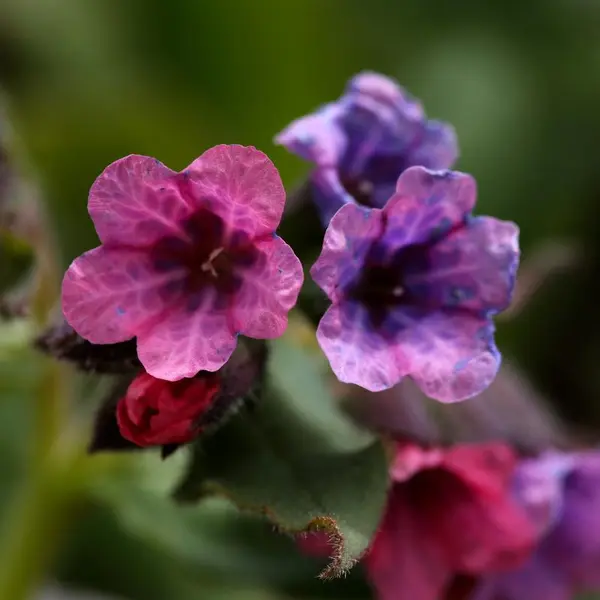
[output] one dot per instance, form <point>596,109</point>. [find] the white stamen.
<point>208,265</point>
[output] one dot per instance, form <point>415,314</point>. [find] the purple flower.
<point>414,286</point>
<point>562,494</point>
<point>361,144</point>
<point>188,260</point>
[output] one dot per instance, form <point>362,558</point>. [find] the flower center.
<point>211,256</point>
<point>380,285</point>
<point>209,265</point>
<point>360,189</point>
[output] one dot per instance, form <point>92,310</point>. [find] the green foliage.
<point>296,459</point>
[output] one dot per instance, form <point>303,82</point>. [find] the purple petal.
<point>355,353</point>
<point>538,486</point>
<point>184,342</point>
<point>473,267</point>
<point>136,201</point>
<point>450,355</point>
<point>347,240</point>
<point>329,194</point>
<point>437,148</point>
<point>241,185</point>
<point>427,204</point>
<point>316,138</point>
<point>268,291</point>
<point>109,296</point>
<point>534,581</point>
<point>378,117</point>
<point>574,545</point>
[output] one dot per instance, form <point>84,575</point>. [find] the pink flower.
<point>188,260</point>
<point>154,412</point>
<point>450,514</point>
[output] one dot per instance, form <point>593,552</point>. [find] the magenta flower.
<point>361,143</point>
<point>561,492</point>
<point>450,515</point>
<point>188,260</point>
<point>414,287</point>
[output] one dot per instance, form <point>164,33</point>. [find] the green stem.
<point>36,521</point>
<point>41,508</point>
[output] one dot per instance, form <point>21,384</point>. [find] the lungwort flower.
<point>450,515</point>
<point>361,143</point>
<point>188,260</point>
<point>561,492</point>
<point>414,287</point>
<point>155,412</point>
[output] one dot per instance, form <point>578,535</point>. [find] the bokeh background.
<point>85,83</point>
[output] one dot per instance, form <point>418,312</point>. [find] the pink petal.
<point>347,240</point>
<point>405,559</point>
<point>109,296</point>
<point>474,267</point>
<point>241,185</point>
<point>268,291</point>
<point>137,201</point>
<point>482,527</point>
<point>185,342</point>
<point>355,353</point>
<point>426,205</point>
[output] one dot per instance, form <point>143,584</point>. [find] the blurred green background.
<point>89,82</point>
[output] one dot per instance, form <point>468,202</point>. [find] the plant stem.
<point>41,508</point>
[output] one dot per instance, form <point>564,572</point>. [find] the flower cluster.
<point>190,260</point>
<point>361,143</point>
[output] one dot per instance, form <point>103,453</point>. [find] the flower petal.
<point>316,138</point>
<point>451,354</point>
<point>536,580</point>
<point>269,291</point>
<point>355,353</point>
<point>111,295</point>
<point>405,555</point>
<point>482,527</point>
<point>185,342</point>
<point>574,545</point>
<point>474,267</point>
<point>347,240</point>
<point>437,148</point>
<point>329,195</point>
<point>136,201</point>
<point>427,204</point>
<point>241,185</point>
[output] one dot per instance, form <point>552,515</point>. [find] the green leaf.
<point>295,458</point>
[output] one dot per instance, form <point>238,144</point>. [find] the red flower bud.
<point>155,412</point>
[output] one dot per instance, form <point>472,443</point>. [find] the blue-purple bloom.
<point>361,143</point>
<point>414,287</point>
<point>561,492</point>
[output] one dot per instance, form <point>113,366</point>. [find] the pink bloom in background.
<point>188,260</point>
<point>450,513</point>
<point>414,287</point>
<point>561,493</point>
